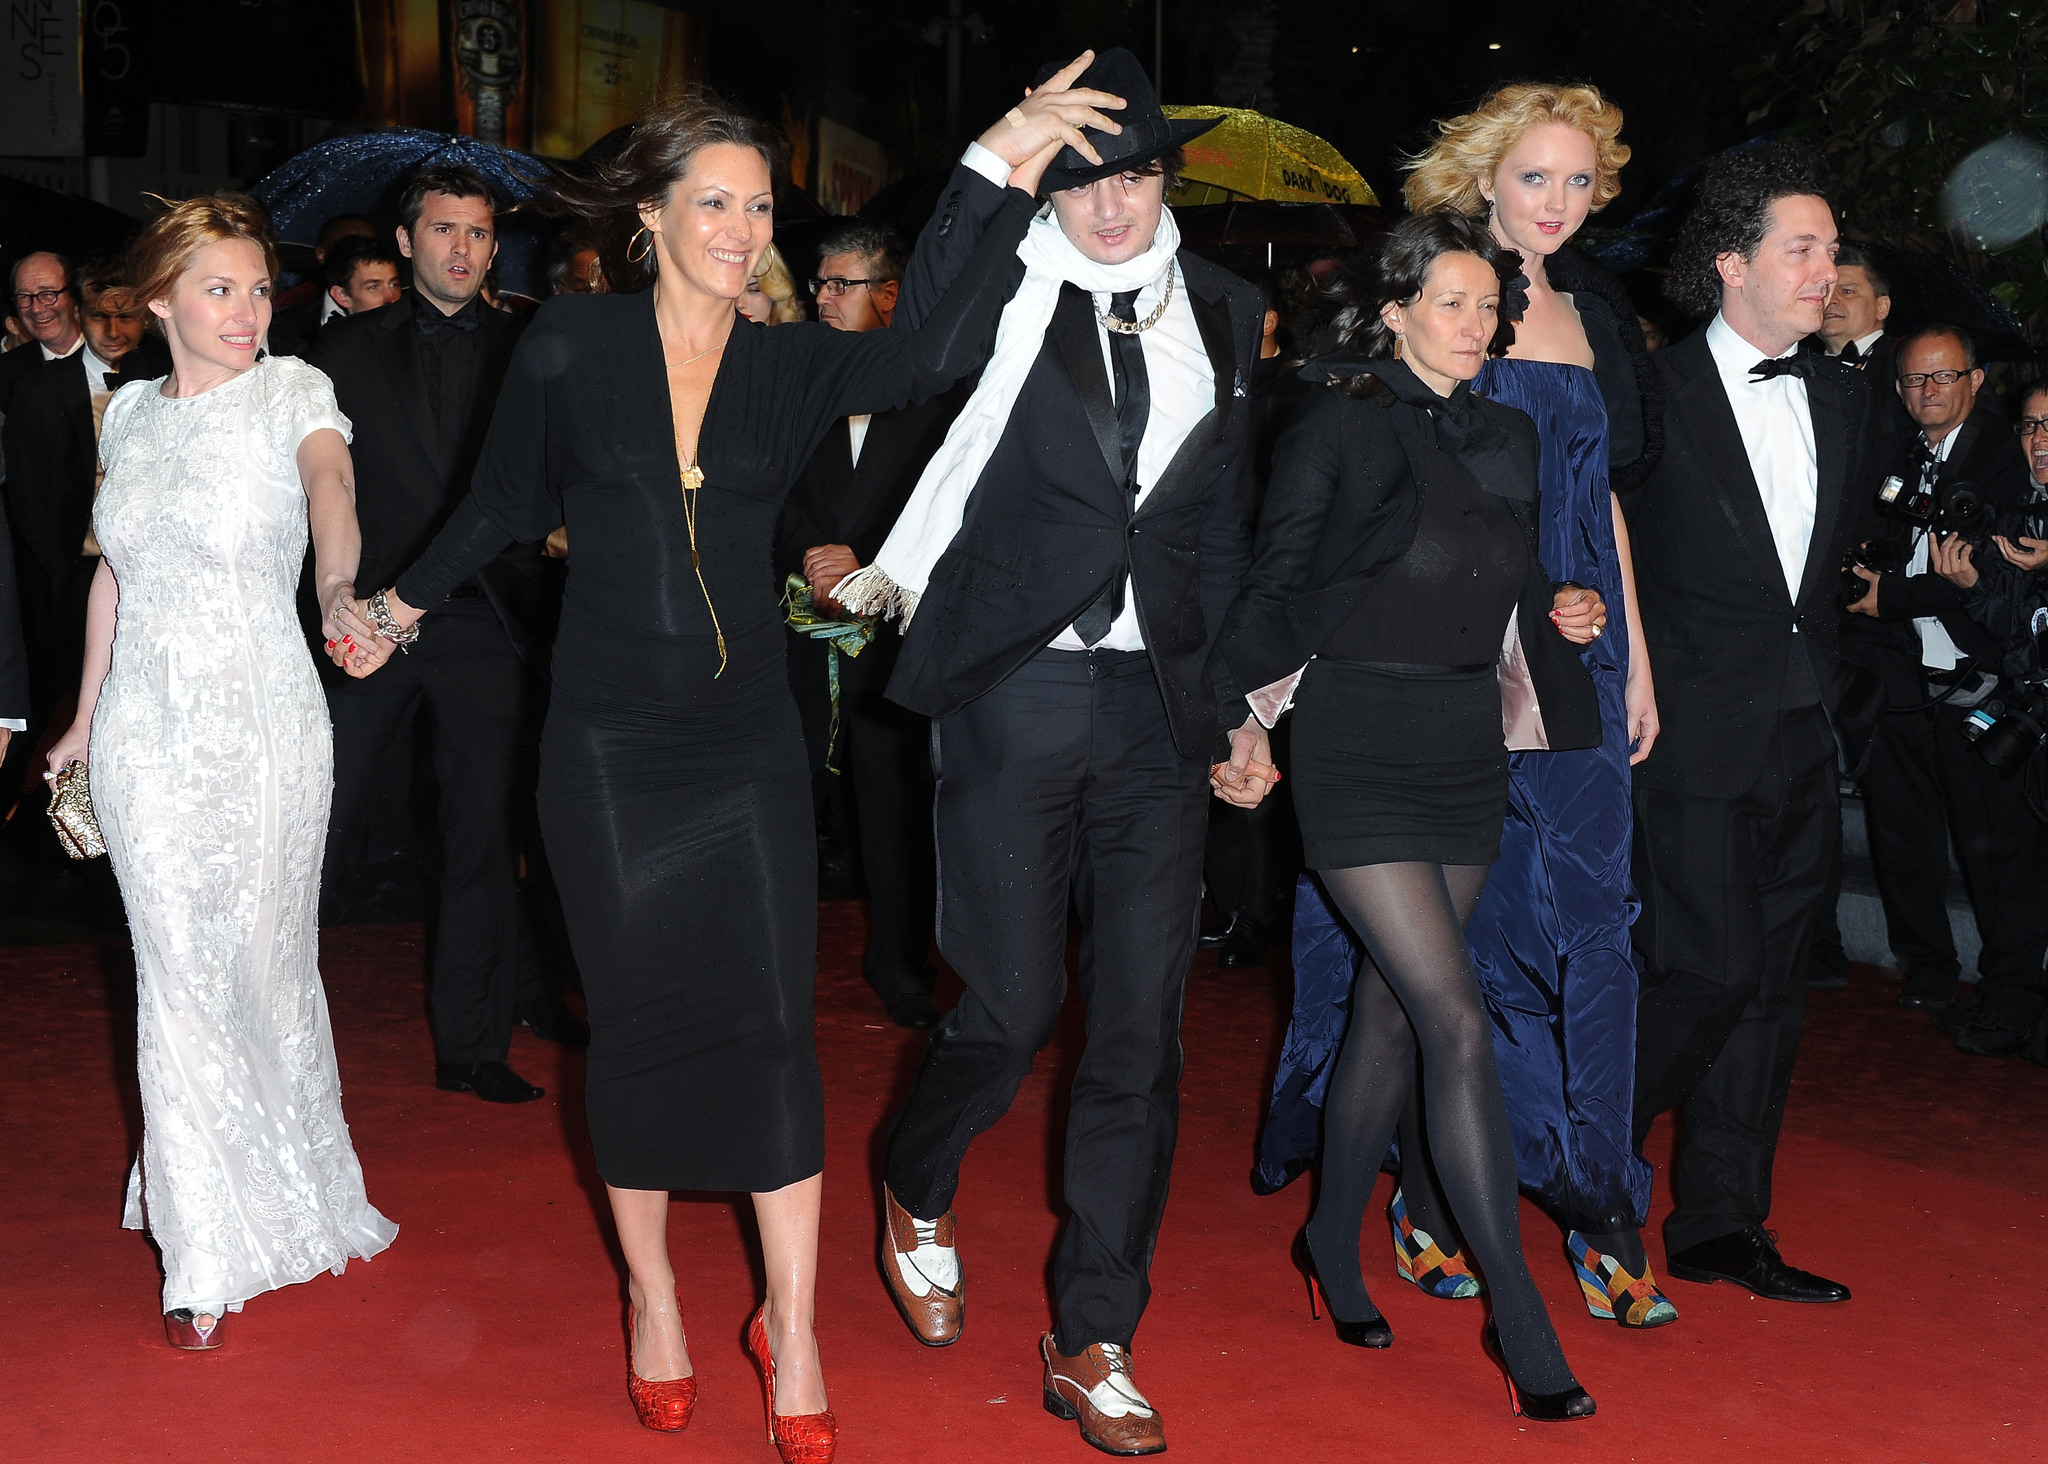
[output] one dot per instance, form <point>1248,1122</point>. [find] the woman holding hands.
<point>665,432</point>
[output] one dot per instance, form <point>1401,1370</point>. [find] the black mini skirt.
<point>1398,763</point>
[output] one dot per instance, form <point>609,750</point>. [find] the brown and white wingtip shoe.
<point>922,1267</point>
<point>1096,1390</point>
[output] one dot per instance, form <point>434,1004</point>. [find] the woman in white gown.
<point>211,758</point>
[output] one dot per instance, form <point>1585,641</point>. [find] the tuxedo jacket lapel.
<point>1073,332</point>
<point>1831,474</point>
<point>1709,419</point>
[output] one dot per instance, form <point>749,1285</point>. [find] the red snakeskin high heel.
<point>800,1438</point>
<point>666,1405</point>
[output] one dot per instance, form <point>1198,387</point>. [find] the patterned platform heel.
<point>664,1406</point>
<point>1421,1262</point>
<point>800,1438</point>
<point>1614,1295</point>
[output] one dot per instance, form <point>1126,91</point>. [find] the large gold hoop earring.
<point>631,257</point>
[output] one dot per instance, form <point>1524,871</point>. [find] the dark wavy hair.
<point>1733,213</point>
<point>655,155</point>
<point>1397,272</point>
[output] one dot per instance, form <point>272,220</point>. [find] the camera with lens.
<point>1962,509</point>
<point>2010,728</point>
<point>1880,556</point>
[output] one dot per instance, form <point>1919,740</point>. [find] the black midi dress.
<point>674,799</point>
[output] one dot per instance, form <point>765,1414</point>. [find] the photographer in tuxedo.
<point>833,522</point>
<point>1737,537</point>
<point>419,379</point>
<point>1924,780</point>
<point>1065,564</point>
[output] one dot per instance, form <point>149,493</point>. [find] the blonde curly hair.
<point>774,278</point>
<point>1447,174</point>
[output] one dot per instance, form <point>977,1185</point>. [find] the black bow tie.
<point>1799,364</point>
<point>1851,354</point>
<point>429,321</point>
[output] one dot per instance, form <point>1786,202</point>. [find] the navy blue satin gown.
<point>1550,936</point>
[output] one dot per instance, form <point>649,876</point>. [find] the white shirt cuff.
<point>987,164</point>
<point>14,724</point>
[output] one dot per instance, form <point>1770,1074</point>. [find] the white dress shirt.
<point>1938,650</point>
<point>857,431</point>
<point>1777,432</point>
<point>96,373</point>
<point>1183,389</point>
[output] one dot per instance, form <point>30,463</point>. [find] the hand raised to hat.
<point>1030,135</point>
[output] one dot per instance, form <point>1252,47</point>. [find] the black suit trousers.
<point>465,676</point>
<point>1064,779</point>
<point>1924,785</point>
<point>885,750</point>
<point>1729,889</point>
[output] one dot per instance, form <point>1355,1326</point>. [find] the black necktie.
<point>1799,364</point>
<point>1133,388</point>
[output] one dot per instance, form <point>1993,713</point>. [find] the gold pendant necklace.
<point>693,482</point>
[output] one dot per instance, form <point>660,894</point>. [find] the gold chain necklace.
<point>1136,327</point>
<point>693,483</point>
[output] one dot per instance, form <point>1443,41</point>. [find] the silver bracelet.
<point>387,624</point>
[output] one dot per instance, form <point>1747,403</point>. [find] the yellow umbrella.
<point>1249,155</point>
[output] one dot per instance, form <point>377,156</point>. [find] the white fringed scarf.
<point>895,582</point>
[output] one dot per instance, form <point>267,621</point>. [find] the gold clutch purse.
<point>71,813</point>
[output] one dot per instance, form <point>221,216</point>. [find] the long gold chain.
<point>1137,327</point>
<point>693,483</point>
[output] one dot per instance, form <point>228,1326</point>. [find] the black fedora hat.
<point>1148,132</point>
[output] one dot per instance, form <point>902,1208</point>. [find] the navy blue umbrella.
<point>365,172</point>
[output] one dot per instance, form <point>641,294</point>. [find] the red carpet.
<point>492,1328</point>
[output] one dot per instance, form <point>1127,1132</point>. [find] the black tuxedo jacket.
<point>16,366</point>
<point>52,459</point>
<point>836,501</point>
<point>13,649</point>
<point>403,494</point>
<point>1717,617</point>
<point>1045,530</point>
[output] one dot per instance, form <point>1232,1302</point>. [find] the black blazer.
<point>52,459</point>
<point>402,496</point>
<point>1346,494</point>
<point>1045,530</point>
<point>1717,617</point>
<point>16,366</point>
<point>13,650</point>
<point>836,501</point>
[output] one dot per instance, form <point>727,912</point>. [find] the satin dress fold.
<point>1550,935</point>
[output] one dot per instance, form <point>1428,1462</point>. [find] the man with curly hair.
<point>1737,536</point>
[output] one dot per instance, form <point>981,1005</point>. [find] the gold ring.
<point>1599,630</point>
<point>1016,117</point>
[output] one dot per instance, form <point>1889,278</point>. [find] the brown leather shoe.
<point>1096,1388</point>
<point>923,1272</point>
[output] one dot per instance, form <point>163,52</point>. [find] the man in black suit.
<point>41,298</point>
<point>13,654</point>
<point>418,379</point>
<point>51,442</point>
<point>1737,539</point>
<point>1060,642</point>
<point>1924,779</point>
<point>836,517</point>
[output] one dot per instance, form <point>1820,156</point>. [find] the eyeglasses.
<point>835,287</point>
<point>1914,380</point>
<point>2028,426</point>
<point>40,299</point>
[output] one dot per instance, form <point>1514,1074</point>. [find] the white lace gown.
<point>212,768</point>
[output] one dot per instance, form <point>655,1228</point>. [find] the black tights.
<point>1419,991</point>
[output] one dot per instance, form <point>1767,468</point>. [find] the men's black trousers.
<point>1925,785</point>
<point>885,751</point>
<point>1729,889</point>
<point>466,679</point>
<point>1063,781</point>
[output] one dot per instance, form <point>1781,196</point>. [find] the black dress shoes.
<point>1924,993</point>
<point>1750,1259</point>
<point>912,1009</point>
<point>1212,937</point>
<point>1990,1034</point>
<point>493,1082</point>
<point>551,1022</point>
<point>1244,946</point>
